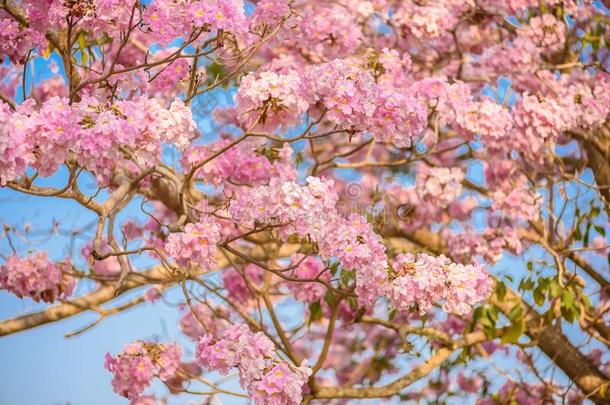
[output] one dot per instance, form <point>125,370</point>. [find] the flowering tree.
<point>328,185</point>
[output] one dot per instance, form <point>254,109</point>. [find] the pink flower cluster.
<point>489,244</point>
<point>110,266</point>
<point>587,103</point>
<point>310,211</point>
<point>546,32</point>
<point>309,268</point>
<point>399,117</point>
<point>210,314</point>
<point>329,30</point>
<point>355,102</point>
<point>16,42</point>
<point>37,277</point>
<point>248,163</point>
<point>357,247</point>
<point>438,185</point>
<point>12,147</point>
<point>228,15</point>
<point>92,133</point>
<point>347,91</point>
<point>518,59</point>
<point>195,247</point>
<point>271,99</point>
<point>419,282</point>
<point>511,195</point>
<point>537,121</point>
<point>168,20</point>
<point>170,75</point>
<point>425,23</point>
<point>139,363</point>
<point>269,12</point>
<point>238,289</point>
<point>517,203</point>
<point>267,378</point>
<point>303,210</point>
<point>280,385</point>
<point>96,16</point>
<point>449,100</point>
<point>491,121</point>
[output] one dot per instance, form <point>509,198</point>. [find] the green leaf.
<point>513,332</point>
<point>82,44</point>
<point>600,229</point>
<point>594,212</point>
<point>587,233</point>
<point>568,314</point>
<point>516,313</point>
<point>315,312</point>
<point>329,298</point>
<point>526,284</point>
<point>501,290</point>
<point>567,298</point>
<point>577,234</point>
<point>530,266</point>
<point>476,316</point>
<point>554,288</point>
<point>538,296</point>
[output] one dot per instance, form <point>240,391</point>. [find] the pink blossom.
<point>93,133</point>
<point>303,210</point>
<point>170,75</point>
<point>309,268</point>
<point>425,23</point>
<point>269,12</point>
<point>226,15</point>
<point>140,361</point>
<point>347,91</point>
<point>210,314</point>
<point>13,157</point>
<point>489,244</point>
<point>488,119</point>
<point>37,277</point>
<point>235,282</point>
<point>271,100</point>
<point>353,242</point>
<point>281,385</point>
<point>152,295</point>
<point>327,20</point>
<point>238,347</point>
<point>16,42</point>
<point>107,267</point>
<point>466,286</point>
<point>546,32</point>
<point>470,384</point>
<point>168,20</point>
<point>399,118</point>
<point>248,163</point>
<point>600,245</point>
<point>267,379</point>
<point>439,185</point>
<point>147,400</point>
<point>195,247</point>
<point>419,282</point>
